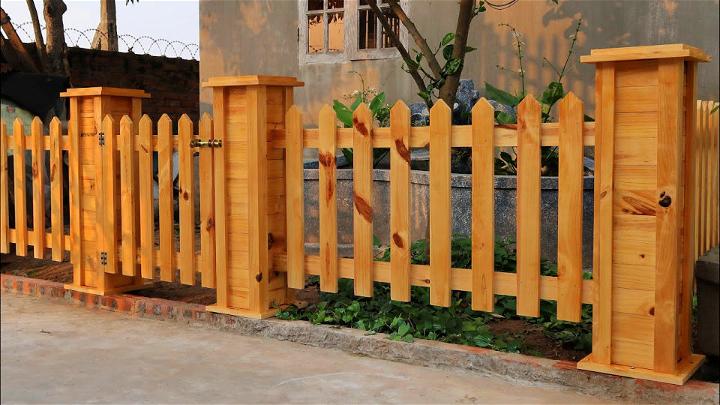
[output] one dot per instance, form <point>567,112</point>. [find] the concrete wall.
<point>260,37</point>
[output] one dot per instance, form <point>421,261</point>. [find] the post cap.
<point>646,52</point>
<point>254,80</point>
<point>104,91</point>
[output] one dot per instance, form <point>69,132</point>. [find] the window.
<point>341,30</point>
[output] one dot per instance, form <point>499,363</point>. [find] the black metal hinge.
<point>101,138</point>
<point>103,258</point>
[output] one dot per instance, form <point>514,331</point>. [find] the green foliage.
<point>406,321</point>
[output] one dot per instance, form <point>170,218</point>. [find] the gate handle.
<point>211,143</point>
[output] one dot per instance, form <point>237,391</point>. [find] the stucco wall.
<point>260,37</point>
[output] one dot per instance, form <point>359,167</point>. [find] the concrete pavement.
<point>55,353</point>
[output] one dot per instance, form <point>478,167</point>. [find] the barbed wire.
<point>126,42</point>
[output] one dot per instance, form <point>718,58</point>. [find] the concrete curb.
<point>508,366</point>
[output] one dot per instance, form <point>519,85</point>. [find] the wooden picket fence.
<point>570,134</point>
<point>124,206</point>
<point>707,221</point>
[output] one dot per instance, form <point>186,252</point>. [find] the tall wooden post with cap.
<point>249,191</point>
<point>88,108</point>
<point>643,252</point>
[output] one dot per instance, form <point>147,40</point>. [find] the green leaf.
<point>425,95</point>
<point>448,51</point>
<point>469,49</point>
<point>447,39</point>
<point>404,329</point>
<point>453,66</point>
<point>356,103</point>
<point>552,93</point>
<point>501,96</point>
<point>377,103</point>
<point>343,113</point>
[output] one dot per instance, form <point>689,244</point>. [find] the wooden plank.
<point>669,218</point>
<point>711,177</point>
<point>570,209</point>
<point>688,232</point>
<point>258,260</point>
<point>4,191</point>
<point>400,203</point>
<point>328,204</point>
<point>528,208</point>
<point>145,197</point>
<point>110,176</point>
<point>221,251</point>
<point>95,276</point>
<point>698,152</point>
<point>74,190</point>
<point>440,207</point>
<point>715,196</point>
<point>483,206</point>
<point>461,279</point>
<point>166,208</point>
<point>128,197</point>
<point>294,198</point>
<point>603,218</point>
<point>56,190</point>
<point>207,206</point>
<point>363,200</point>
<point>20,195</point>
<point>38,193</point>
<point>186,200</point>
<point>703,175</point>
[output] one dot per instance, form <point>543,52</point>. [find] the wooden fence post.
<point>88,108</point>
<point>644,258</point>
<point>249,111</point>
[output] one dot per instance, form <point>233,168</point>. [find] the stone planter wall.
<point>461,203</point>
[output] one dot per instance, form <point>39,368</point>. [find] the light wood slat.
<point>702,138</point>
<point>165,199</point>
<point>100,184</point>
<point>328,204</point>
<point>570,209</point>
<point>697,138</point>
<point>145,196</point>
<point>74,197</point>
<point>56,190</point>
<point>688,233</point>
<point>461,280</point>
<point>528,208</point>
<point>715,197</point>
<point>461,136</point>
<point>400,203</point>
<point>483,206</point>
<point>207,206</point>
<point>4,191</point>
<point>20,197</point>
<point>294,198</point>
<point>221,280</point>
<point>111,194</point>
<point>440,208</point>
<point>38,192</point>
<point>128,197</point>
<point>711,178</point>
<point>259,255</point>
<point>670,81</point>
<point>186,200</point>
<point>362,200</point>
<point>603,218</point>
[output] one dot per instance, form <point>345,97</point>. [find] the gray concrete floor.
<point>56,353</point>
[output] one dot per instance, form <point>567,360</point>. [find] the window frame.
<point>350,40</point>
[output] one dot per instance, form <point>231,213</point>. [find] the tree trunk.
<point>39,42</point>
<point>448,90</point>
<point>53,11</point>
<point>106,36</point>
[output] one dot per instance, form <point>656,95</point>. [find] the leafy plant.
<point>506,163</point>
<point>379,109</point>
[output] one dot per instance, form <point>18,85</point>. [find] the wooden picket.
<point>128,197</point>
<point>362,200</point>
<point>440,208</point>
<point>57,222</point>
<point>185,201</point>
<point>400,203</point>
<point>328,205</point>
<point>165,198</point>
<point>21,231</point>
<point>38,194</point>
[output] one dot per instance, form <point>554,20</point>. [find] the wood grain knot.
<point>402,150</point>
<point>652,311</point>
<point>258,277</point>
<point>327,159</point>
<point>209,224</point>
<point>398,240</point>
<point>53,168</point>
<point>360,127</point>
<point>186,195</point>
<point>426,281</point>
<point>363,208</point>
<point>330,195</point>
<point>34,170</point>
<point>603,194</point>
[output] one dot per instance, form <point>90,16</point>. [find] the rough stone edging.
<point>509,366</point>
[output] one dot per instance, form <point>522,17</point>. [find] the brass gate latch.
<point>211,143</point>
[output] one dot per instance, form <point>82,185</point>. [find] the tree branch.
<point>16,44</point>
<point>39,42</point>
<point>420,41</point>
<point>465,16</point>
<point>400,47</point>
